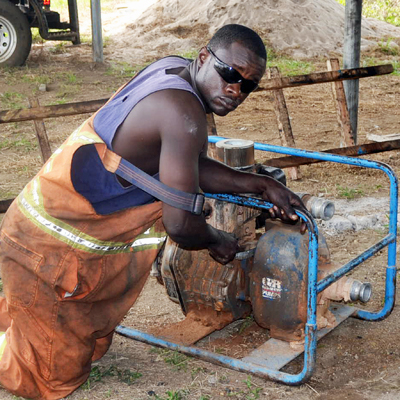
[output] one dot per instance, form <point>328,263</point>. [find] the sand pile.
<point>301,28</point>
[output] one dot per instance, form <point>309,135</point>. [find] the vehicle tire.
<point>15,35</point>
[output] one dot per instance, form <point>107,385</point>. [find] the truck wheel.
<point>15,35</point>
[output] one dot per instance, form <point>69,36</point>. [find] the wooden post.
<point>351,57</point>
<point>41,134</point>
<point>346,137</point>
<point>97,38</point>
<point>284,125</point>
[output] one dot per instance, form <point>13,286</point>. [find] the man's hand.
<point>284,200</point>
<point>225,248</point>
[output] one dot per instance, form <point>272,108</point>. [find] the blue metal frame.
<point>314,286</point>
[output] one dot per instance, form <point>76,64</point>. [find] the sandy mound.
<point>301,28</point>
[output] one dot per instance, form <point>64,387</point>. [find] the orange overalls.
<point>69,275</point>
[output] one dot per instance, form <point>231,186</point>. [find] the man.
<point>78,243</point>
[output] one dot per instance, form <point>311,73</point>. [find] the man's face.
<point>223,97</point>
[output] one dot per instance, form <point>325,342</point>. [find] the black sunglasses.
<point>230,75</point>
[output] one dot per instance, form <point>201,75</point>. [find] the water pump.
<point>268,278</point>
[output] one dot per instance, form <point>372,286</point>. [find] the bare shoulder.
<point>168,119</point>
<point>178,111</point>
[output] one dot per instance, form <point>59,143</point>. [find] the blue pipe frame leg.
<point>314,287</point>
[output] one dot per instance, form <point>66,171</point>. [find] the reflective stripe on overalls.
<point>69,275</point>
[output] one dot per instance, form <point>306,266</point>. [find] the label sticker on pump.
<point>271,288</point>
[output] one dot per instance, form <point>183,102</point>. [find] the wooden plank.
<point>325,77</point>
<point>41,134</point>
<point>346,137</point>
<point>353,151</point>
<point>60,110</point>
<point>284,125</point>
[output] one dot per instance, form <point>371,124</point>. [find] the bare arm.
<point>166,132</point>
<point>182,143</point>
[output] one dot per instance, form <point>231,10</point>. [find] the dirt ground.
<point>358,360</point>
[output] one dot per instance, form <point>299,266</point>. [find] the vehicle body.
<point>17,17</point>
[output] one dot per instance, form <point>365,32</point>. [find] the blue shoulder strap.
<point>174,197</point>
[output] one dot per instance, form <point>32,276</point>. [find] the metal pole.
<point>351,57</point>
<point>73,20</point>
<point>97,40</point>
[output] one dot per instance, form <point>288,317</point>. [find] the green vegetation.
<point>58,48</point>
<point>288,66</point>
<point>175,395</point>
<point>192,54</point>
<point>197,371</point>
<point>36,79</point>
<point>124,69</point>
<point>99,372</point>
<point>177,360</point>
<point>18,143</point>
<point>386,48</point>
<point>36,38</point>
<point>245,324</point>
<point>385,10</point>
<point>12,100</point>
<point>349,193</point>
<point>252,392</point>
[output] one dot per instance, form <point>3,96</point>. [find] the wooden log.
<point>60,110</point>
<point>40,129</point>
<point>351,57</point>
<point>353,151</point>
<point>346,137</point>
<point>325,77</point>
<point>284,125</point>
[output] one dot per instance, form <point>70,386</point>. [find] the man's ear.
<point>203,55</point>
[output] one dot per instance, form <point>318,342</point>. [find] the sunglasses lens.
<point>248,86</point>
<point>230,75</point>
